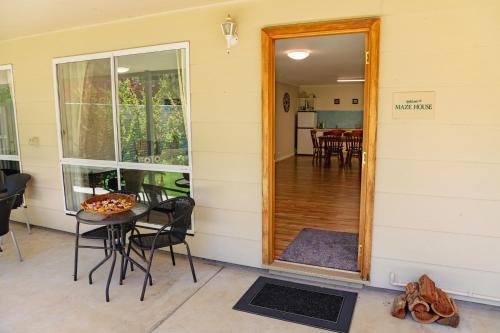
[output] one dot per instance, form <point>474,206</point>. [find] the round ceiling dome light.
<point>298,54</point>
<point>122,70</point>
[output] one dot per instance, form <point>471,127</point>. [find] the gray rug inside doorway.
<point>332,249</point>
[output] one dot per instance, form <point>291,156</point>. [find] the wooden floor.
<point>314,196</point>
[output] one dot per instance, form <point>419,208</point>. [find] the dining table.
<point>323,138</point>
<point>114,224</point>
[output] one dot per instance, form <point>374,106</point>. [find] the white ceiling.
<point>332,57</point>
<point>20,18</point>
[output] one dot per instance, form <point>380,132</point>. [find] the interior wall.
<point>326,94</point>
<point>285,121</point>
<point>437,193</point>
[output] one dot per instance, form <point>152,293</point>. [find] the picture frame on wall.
<point>355,101</point>
<point>336,101</point>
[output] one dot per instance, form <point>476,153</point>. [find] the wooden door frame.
<point>371,27</point>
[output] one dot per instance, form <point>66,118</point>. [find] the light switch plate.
<point>34,141</point>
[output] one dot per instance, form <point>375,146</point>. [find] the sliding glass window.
<point>124,122</point>
<point>86,109</point>
<point>9,142</point>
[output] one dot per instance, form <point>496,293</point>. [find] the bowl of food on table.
<point>111,203</point>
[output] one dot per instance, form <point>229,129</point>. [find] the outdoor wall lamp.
<point>229,32</point>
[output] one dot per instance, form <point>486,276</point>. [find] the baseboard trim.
<point>285,157</point>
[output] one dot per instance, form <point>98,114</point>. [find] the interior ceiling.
<point>332,57</point>
<point>20,18</point>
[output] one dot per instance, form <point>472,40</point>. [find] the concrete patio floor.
<point>39,295</point>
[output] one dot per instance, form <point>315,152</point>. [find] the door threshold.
<point>317,274</point>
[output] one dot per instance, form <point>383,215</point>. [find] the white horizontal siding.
<point>48,217</point>
<point>45,156</point>
<point>215,247</point>
<point>44,197</point>
<point>228,167</point>
<point>452,73</point>
<point>437,248</point>
<point>440,214</point>
<point>446,277</point>
<point>228,195</point>
<point>223,107</point>
<point>43,176</point>
<point>206,78</point>
<point>437,181</point>
<point>227,137</point>
<point>439,178</point>
<point>228,223</point>
<point>438,25</point>
<point>438,142</point>
<point>41,131</point>
<point>465,104</point>
<point>34,112</point>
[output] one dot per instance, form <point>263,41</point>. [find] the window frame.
<point>117,163</point>
<point>17,157</point>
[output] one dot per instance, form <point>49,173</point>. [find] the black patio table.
<point>116,237</point>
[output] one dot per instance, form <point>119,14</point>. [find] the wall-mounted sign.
<point>414,105</point>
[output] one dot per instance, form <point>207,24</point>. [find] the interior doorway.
<point>319,123</point>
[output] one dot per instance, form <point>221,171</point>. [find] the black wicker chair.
<point>6,204</point>
<point>178,224</point>
<point>157,198</point>
<point>16,184</point>
<point>100,233</point>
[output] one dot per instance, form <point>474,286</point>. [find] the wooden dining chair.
<point>358,130</point>
<point>317,147</point>
<point>334,145</point>
<point>354,146</point>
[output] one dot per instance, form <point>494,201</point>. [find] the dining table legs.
<point>116,241</point>
<point>122,246</point>
<point>100,264</point>
<point>113,251</point>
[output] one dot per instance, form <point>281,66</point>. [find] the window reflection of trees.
<point>151,118</point>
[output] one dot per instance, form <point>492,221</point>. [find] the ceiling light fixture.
<point>350,80</point>
<point>298,54</point>
<point>122,70</point>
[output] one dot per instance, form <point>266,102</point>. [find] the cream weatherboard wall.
<point>285,121</point>
<point>437,203</point>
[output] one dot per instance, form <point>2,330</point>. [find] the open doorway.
<point>319,116</point>
<point>318,145</point>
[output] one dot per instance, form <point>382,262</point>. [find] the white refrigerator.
<point>306,121</point>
